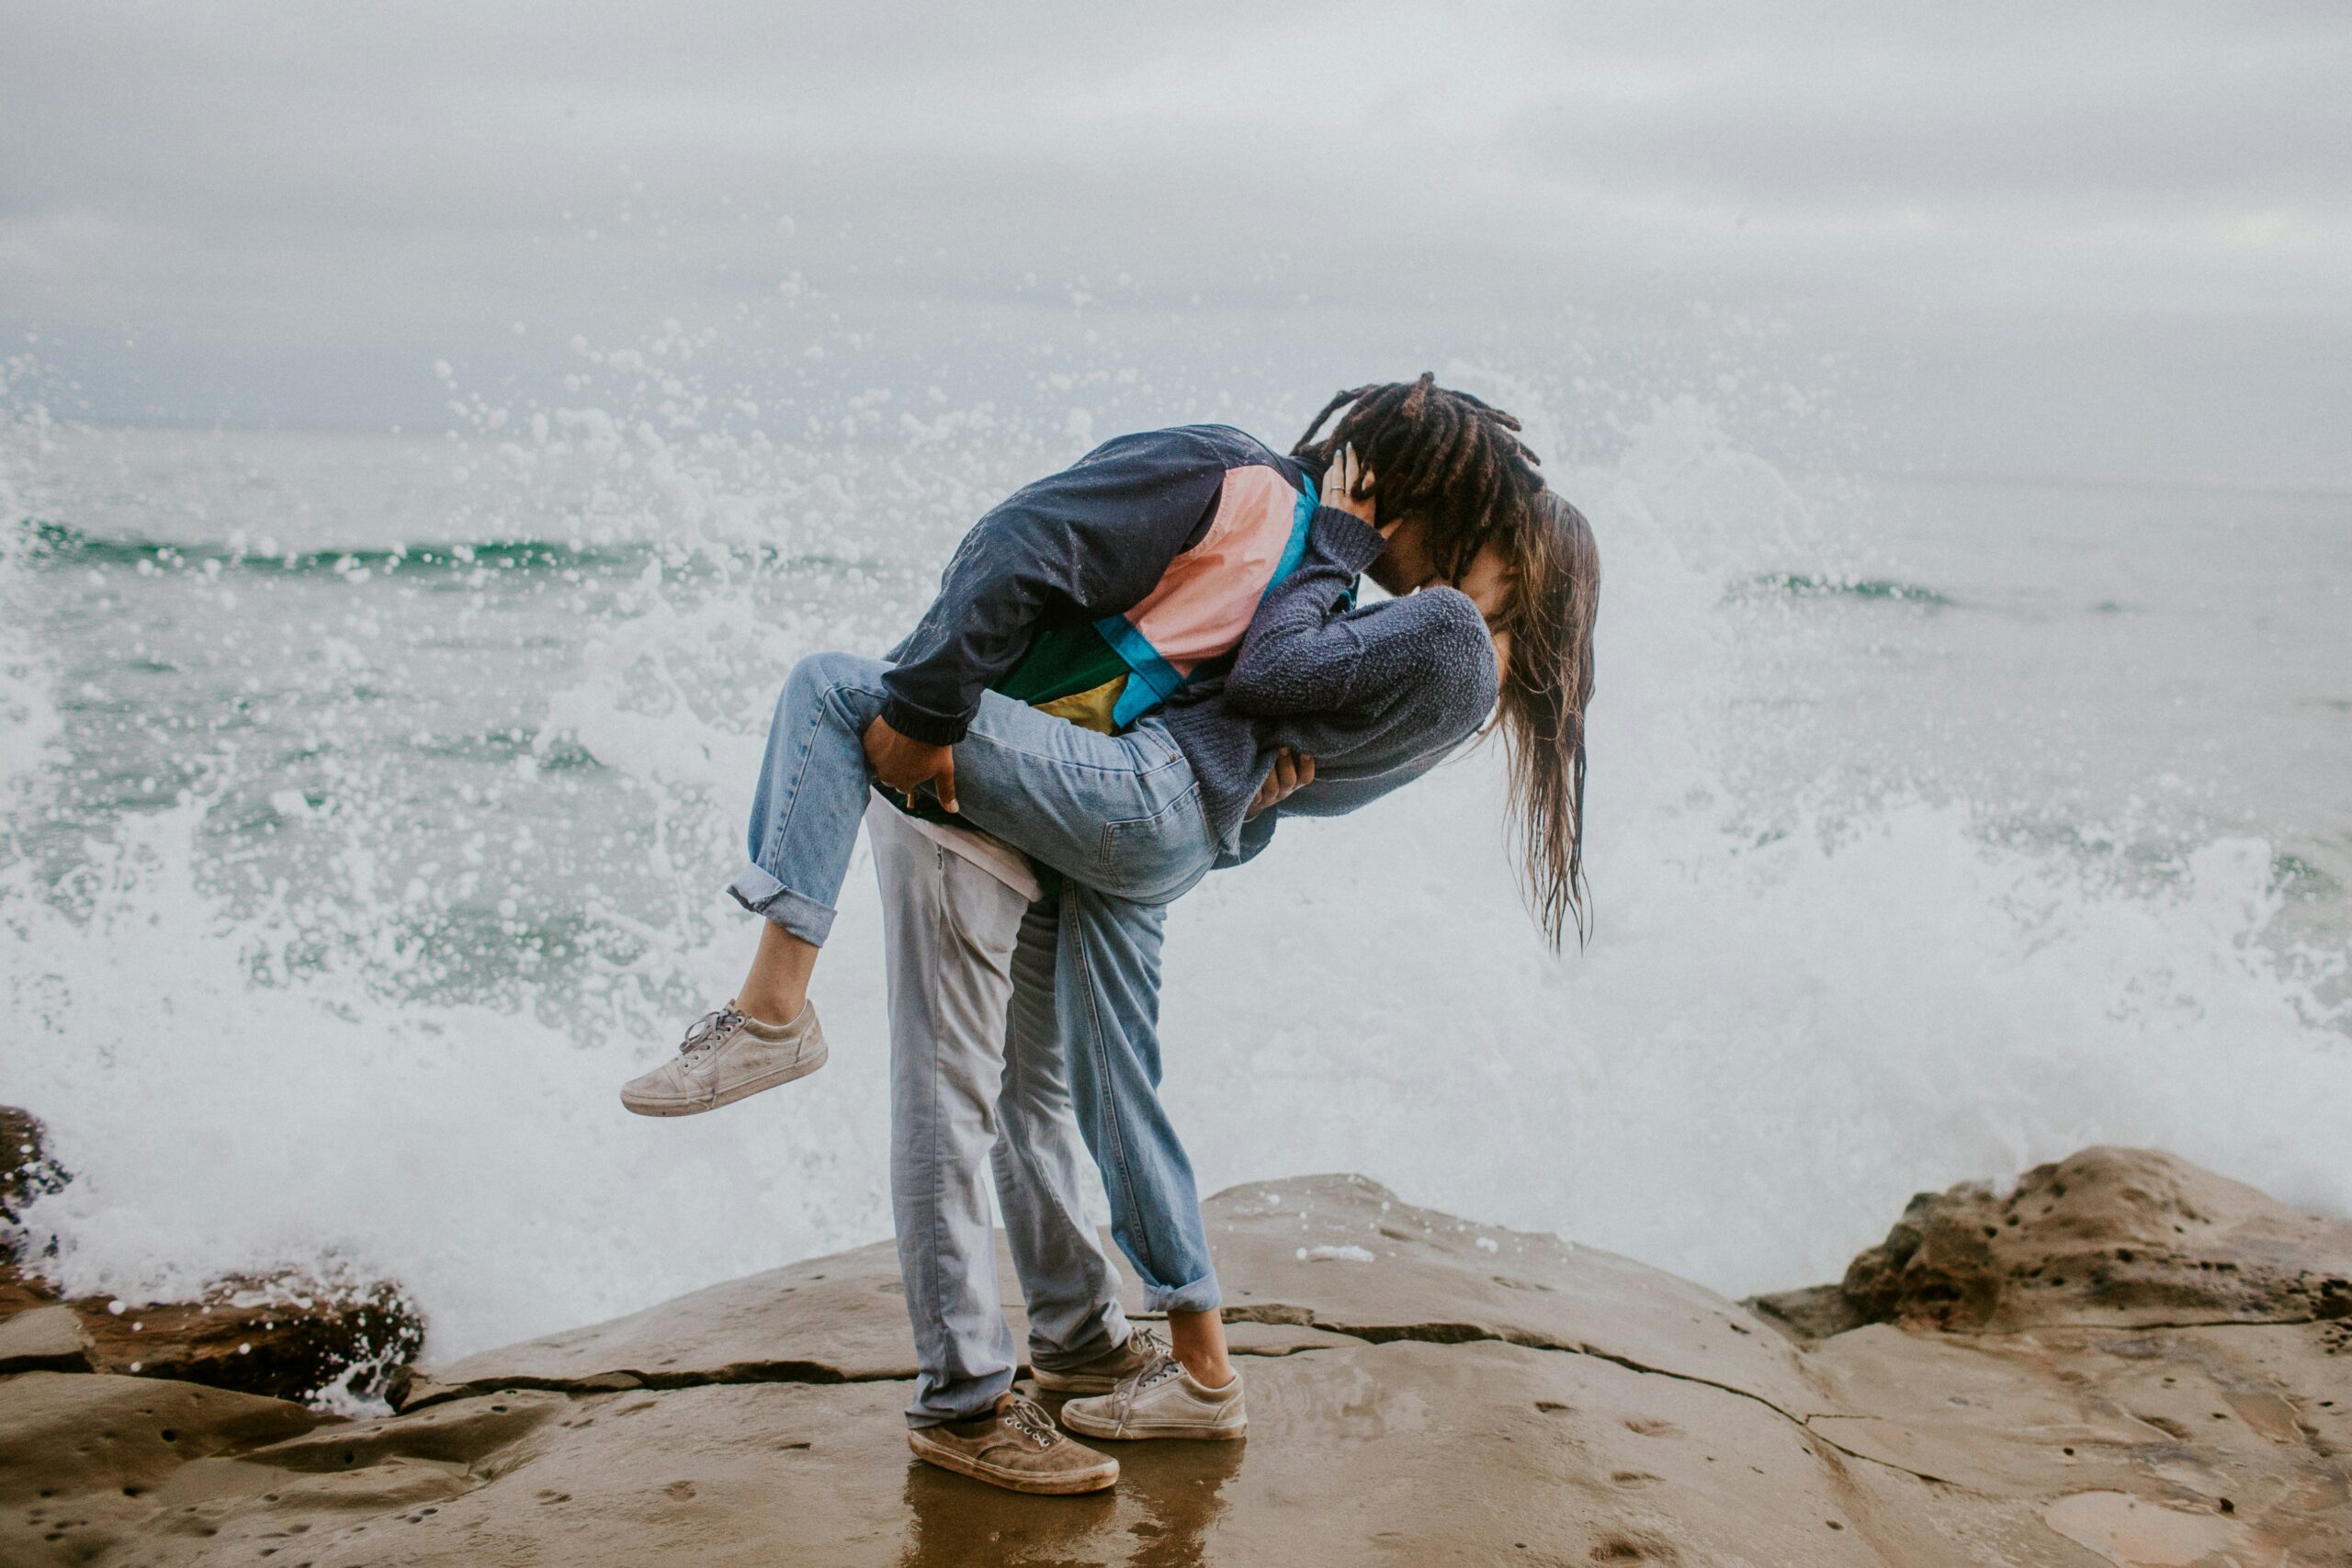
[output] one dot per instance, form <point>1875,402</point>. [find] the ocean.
<point>368,798</point>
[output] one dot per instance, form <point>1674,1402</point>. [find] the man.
<point>977,1072</point>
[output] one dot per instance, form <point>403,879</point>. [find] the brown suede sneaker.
<point>1019,1449</point>
<point>1141,1348</point>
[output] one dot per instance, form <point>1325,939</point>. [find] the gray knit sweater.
<point>1376,694</point>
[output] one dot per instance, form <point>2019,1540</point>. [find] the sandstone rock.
<point>1289,1253</point>
<point>82,1459</point>
<point>1288,1250</point>
<point>285,1336</point>
<point>45,1339</point>
<point>2110,1236</point>
<point>1422,1390</point>
<point>837,1319</point>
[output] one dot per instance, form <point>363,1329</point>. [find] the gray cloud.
<point>2001,215</point>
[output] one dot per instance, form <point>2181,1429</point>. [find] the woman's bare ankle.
<point>774,1011</point>
<point>1197,1341</point>
<point>776,989</point>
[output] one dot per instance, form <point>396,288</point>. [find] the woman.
<point>1335,686</point>
<point>1366,698</point>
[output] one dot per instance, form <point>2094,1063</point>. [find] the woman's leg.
<point>1040,783</point>
<point>812,793</point>
<point>1107,992</point>
<point>777,987</point>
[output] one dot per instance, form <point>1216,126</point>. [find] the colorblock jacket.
<point>1100,592</point>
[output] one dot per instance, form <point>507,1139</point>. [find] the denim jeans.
<point>978,1085</point>
<point>1120,819</point>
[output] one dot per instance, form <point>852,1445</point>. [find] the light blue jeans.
<point>1120,817</point>
<point>978,1088</point>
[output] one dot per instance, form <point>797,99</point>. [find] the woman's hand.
<point>906,765</point>
<point>1341,482</point>
<point>1292,773</point>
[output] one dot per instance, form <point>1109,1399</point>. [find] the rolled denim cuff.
<point>1201,1295</point>
<point>771,899</point>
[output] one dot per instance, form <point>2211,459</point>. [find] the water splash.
<point>349,899</point>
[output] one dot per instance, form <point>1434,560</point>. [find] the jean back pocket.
<point>1171,848</point>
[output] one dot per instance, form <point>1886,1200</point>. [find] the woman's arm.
<point>1338,662</point>
<point>1308,652</point>
<point>1304,645</point>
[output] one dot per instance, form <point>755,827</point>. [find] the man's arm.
<point>1095,537</point>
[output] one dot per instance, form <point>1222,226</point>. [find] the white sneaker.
<point>726,1058</point>
<point>1161,1400</point>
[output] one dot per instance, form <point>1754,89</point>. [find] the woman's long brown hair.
<point>1547,682</point>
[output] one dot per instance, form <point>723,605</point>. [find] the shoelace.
<point>708,1031</point>
<point>1146,1339</point>
<point>1032,1422</point>
<point>1158,1370</point>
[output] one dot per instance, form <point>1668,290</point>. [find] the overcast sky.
<point>2090,239</point>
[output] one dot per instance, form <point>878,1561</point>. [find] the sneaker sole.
<point>743,1090</point>
<point>1037,1485</point>
<point>1086,1427</point>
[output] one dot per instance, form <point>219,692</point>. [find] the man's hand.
<point>907,765</point>
<point>1292,773</point>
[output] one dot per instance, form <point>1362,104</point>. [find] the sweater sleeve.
<point>1095,538</point>
<point>1306,652</point>
<point>1301,648</point>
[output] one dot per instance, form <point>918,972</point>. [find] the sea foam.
<point>1790,1017</point>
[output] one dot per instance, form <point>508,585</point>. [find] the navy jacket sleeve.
<point>1307,653</point>
<point>1095,538</point>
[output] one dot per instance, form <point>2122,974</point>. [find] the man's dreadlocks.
<point>1447,456</point>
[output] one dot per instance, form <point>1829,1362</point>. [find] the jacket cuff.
<point>1352,542</point>
<point>917,725</point>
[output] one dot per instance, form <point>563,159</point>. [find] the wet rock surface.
<point>1421,1388</point>
<point>837,1319</point>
